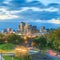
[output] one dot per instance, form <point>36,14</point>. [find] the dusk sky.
<point>35,12</point>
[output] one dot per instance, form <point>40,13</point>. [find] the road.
<point>39,56</point>
<point>1,58</point>
<point>35,56</point>
<point>53,57</point>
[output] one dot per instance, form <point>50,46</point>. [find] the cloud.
<point>38,21</point>
<point>3,17</point>
<point>54,21</point>
<point>7,1</point>
<point>19,11</point>
<point>29,0</point>
<point>6,14</point>
<point>51,9</point>
<point>46,2</point>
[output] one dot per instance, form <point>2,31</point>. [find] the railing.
<point>7,54</point>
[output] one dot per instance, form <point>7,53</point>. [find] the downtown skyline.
<point>35,12</point>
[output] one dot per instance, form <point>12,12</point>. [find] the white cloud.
<point>51,9</point>
<point>46,2</point>
<point>2,17</point>
<point>29,0</point>
<point>54,21</point>
<point>7,1</point>
<point>11,14</point>
<point>38,21</point>
<point>19,11</point>
<point>6,14</point>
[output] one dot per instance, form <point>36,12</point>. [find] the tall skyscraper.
<point>42,29</point>
<point>22,24</point>
<point>9,30</point>
<point>26,28</point>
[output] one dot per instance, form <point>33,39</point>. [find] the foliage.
<point>11,38</point>
<point>15,39</point>
<point>18,58</point>
<point>2,38</point>
<point>7,46</point>
<point>40,42</point>
<point>53,39</point>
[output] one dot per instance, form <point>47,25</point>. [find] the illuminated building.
<point>42,29</point>
<point>9,30</point>
<point>21,27</point>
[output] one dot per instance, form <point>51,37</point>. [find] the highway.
<point>36,55</point>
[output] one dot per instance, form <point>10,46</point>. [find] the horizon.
<point>35,12</point>
<point>15,28</point>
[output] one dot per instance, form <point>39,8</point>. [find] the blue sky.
<point>47,1</point>
<point>31,11</point>
<point>50,1</point>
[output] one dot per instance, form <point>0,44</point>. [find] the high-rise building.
<point>9,30</point>
<point>42,29</point>
<point>34,29</point>
<point>25,28</point>
<point>4,31</point>
<point>21,27</point>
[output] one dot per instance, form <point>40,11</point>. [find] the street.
<point>39,56</point>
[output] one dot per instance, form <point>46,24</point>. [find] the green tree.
<point>2,38</point>
<point>53,39</point>
<point>15,39</point>
<point>41,42</point>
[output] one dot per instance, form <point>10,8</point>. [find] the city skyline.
<point>24,25</point>
<point>36,12</point>
<point>27,29</point>
<point>13,26</point>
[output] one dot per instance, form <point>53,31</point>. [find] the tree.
<point>56,44</point>
<point>53,39</point>
<point>2,38</point>
<point>15,39</point>
<point>40,42</point>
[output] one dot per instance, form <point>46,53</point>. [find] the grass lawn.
<point>7,46</point>
<point>10,58</point>
<point>7,58</point>
<point>17,58</point>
